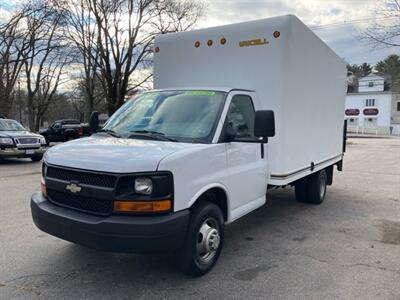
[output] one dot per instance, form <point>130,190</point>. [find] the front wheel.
<point>37,157</point>
<point>204,240</point>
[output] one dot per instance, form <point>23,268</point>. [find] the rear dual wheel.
<point>312,189</point>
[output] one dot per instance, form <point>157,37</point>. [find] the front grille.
<point>95,179</point>
<point>28,140</point>
<point>87,204</point>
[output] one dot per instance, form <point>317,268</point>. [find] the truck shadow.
<point>270,231</point>
<point>16,161</point>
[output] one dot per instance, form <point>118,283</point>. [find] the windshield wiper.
<point>110,132</point>
<point>154,134</point>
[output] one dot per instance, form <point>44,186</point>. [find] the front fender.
<point>196,170</point>
<point>209,187</point>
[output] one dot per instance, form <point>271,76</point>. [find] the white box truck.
<point>236,110</point>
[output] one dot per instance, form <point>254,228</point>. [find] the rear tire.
<point>316,187</point>
<point>300,189</point>
<point>204,240</point>
<point>312,189</point>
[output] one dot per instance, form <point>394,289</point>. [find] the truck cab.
<point>63,130</point>
<point>142,195</point>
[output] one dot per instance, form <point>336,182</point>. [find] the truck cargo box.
<point>292,71</point>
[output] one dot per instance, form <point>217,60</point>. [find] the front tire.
<point>204,240</point>
<point>37,158</point>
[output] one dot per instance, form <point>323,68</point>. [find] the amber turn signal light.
<point>276,34</point>
<point>43,189</point>
<point>142,206</point>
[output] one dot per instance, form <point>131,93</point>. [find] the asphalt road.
<point>347,248</point>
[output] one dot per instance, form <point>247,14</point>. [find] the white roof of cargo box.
<point>214,56</point>
<point>203,88</point>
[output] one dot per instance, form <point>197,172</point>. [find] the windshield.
<point>187,116</point>
<point>10,125</point>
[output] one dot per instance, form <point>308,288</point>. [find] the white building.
<point>369,109</point>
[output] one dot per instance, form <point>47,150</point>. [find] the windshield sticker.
<point>199,93</point>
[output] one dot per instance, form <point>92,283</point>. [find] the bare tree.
<point>79,96</point>
<point>115,38</point>
<point>44,59</point>
<point>385,31</point>
<point>13,42</point>
<point>82,32</point>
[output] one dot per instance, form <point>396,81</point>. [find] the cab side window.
<point>56,125</point>
<point>241,116</point>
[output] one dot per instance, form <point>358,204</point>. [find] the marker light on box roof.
<point>209,43</point>
<point>197,44</point>
<point>223,41</point>
<point>276,34</point>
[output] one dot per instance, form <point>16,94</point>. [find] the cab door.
<point>55,132</point>
<point>246,160</point>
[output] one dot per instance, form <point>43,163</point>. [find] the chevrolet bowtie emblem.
<point>73,188</point>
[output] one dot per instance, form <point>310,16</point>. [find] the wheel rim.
<point>322,187</point>
<point>208,240</point>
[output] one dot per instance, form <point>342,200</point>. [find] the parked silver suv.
<point>16,141</point>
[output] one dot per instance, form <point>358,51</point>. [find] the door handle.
<point>262,150</point>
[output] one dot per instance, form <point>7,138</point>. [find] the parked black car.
<point>16,141</point>
<point>65,130</point>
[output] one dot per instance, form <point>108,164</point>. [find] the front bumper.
<point>129,234</point>
<point>20,152</point>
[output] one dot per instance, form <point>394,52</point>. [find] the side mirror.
<point>94,121</point>
<point>264,124</point>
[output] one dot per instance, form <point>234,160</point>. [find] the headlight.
<point>6,141</point>
<point>43,141</point>
<point>143,185</point>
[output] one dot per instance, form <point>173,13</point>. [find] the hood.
<point>115,155</point>
<point>41,130</point>
<point>13,134</point>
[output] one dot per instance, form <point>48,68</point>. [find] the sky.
<point>339,23</point>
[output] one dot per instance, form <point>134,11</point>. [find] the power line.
<point>351,22</point>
